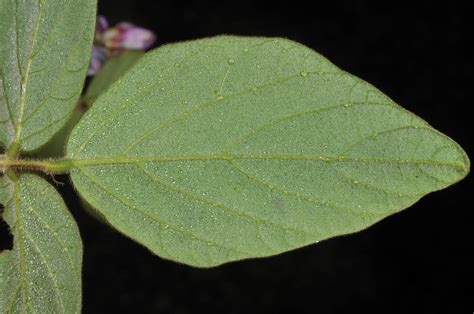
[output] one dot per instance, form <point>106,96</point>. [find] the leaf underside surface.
<point>44,55</point>
<point>42,274</point>
<point>45,48</point>
<point>229,148</point>
<point>113,69</point>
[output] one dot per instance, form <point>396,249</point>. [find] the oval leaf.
<point>44,55</point>
<point>228,148</point>
<point>42,274</point>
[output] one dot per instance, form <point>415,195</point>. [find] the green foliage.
<point>206,151</point>
<point>42,274</point>
<point>44,54</point>
<point>229,148</point>
<point>113,69</point>
<point>43,61</point>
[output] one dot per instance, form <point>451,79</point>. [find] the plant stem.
<point>47,166</point>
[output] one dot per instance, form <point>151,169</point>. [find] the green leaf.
<point>56,146</point>
<point>228,148</point>
<point>112,70</point>
<point>4,190</point>
<point>42,274</point>
<point>4,260</point>
<point>44,57</point>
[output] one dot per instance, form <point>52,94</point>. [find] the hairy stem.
<point>47,166</point>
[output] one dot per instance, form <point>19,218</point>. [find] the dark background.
<point>415,261</point>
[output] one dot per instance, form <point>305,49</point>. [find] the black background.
<point>415,261</point>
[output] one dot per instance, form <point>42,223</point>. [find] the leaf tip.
<point>465,165</point>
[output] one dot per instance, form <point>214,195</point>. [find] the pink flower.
<point>113,40</point>
<point>125,35</point>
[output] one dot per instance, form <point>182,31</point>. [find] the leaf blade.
<point>43,271</point>
<point>229,148</point>
<point>42,67</point>
<point>112,70</point>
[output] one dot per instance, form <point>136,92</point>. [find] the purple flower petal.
<point>98,58</point>
<point>138,38</point>
<point>112,40</point>
<point>126,35</point>
<point>102,24</point>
